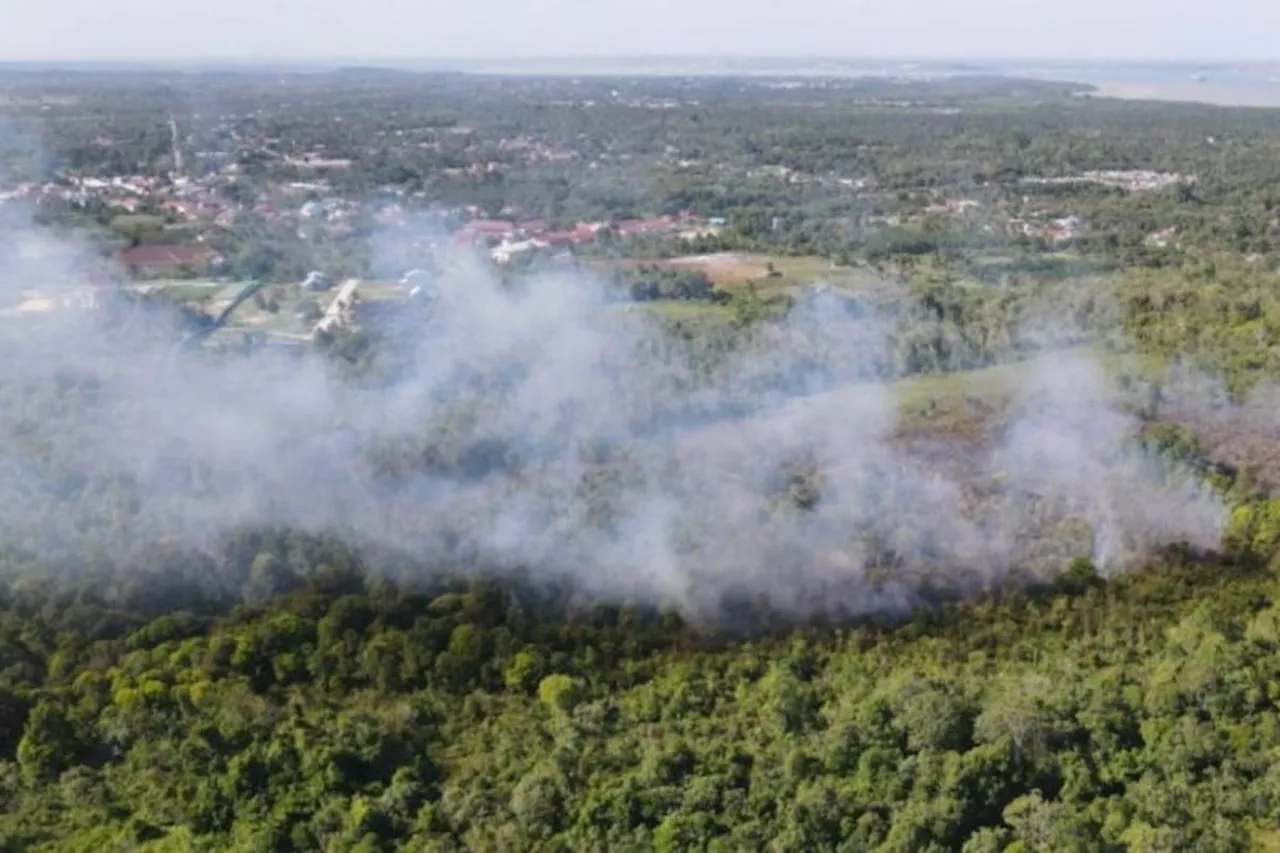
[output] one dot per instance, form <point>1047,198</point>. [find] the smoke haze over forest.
<point>538,429</point>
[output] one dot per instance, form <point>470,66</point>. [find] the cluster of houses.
<point>531,150</point>
<point>185,199</point>
<point>938,207</point>
<point>159,258</point>
<point>318,212</point>
<point>1162,238</point>
<point>1130,180</point>
<point>506,240</point>
<point>1056,230</point>
<point>200,200</point>
<point>952,207</point>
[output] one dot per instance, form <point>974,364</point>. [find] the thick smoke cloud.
<point>1068,442</point>
<point>541,430</point>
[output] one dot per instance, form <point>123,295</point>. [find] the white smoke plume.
<point>541,430</point>
<point>1068,442</point>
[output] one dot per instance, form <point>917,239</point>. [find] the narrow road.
<point>177,147</point>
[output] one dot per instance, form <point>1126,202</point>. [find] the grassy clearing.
<point>383,291</point>
<point>674,309</point>
<point>775,273</point>
<point>967,404</point>
<point>727,269</point>
<point>1265,841</point>
<point>956,405</point>
<point>289,301</point>
<point>769,274</point>
<point>195,291</point>
<point>136,223</point>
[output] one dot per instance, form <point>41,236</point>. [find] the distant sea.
<point>1244,84</point>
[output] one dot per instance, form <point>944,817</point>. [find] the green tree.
<point>560,692</point>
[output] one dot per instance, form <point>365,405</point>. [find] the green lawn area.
<point>383,291</point>
<point>136,223</point>
<point>189,291</point>
<point>675,309</point>
<point>1267,841</point>
<point>734,272</point>
<point>965,403</point>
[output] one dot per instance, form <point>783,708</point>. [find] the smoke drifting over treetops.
<point>544,431</point>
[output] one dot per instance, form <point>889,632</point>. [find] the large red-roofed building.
<point>161,258</point>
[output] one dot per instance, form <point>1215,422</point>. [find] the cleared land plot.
<point>188,291</point>
<point>770,274</point>
<point>289,311</point>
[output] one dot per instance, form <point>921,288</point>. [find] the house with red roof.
<point>640,227</point>
<point>158,258</point>
<point>486,231</point>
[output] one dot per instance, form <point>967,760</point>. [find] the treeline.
<point>649,283</point>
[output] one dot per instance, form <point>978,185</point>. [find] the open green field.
<point>698,313</point>
<point>730,270</point>
<point>187,291</point>
<point>965,405</point>
<point>769,274</point>
<point>389,291</point>
<point>279,309</point>
<point>287,310</point>
<point>136,223</point>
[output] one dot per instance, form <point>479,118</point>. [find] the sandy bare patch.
<point>1202,93</point>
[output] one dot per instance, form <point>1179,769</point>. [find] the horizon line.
<point>338,61</point>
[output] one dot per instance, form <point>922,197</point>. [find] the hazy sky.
<point>382,29</point>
